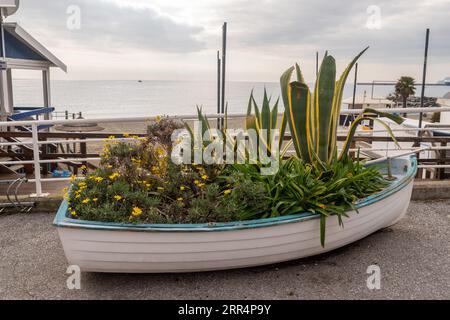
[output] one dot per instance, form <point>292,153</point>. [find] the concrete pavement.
<point>414,257</point>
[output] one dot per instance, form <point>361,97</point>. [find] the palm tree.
<point>405,87</point>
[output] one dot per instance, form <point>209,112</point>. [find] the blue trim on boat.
<point>61,219</point>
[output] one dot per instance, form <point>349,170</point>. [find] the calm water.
<point>130,98</point>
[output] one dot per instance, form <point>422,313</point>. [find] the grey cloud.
<point>290,29</point>
<point>296,25</point>
<point>107,26</point>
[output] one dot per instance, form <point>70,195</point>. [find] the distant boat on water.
<point>446,81</point>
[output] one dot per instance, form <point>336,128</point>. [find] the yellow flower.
<point>196,182</point>
<point>66,195</point>
<point>73,213</point>
<point>158,119</point>
<point>180,199</point>
<point>160,151</point>
<point>205,177</point>
<point>111,137</point>
<point>99,179</point>
<point>73,178</point>
<point>126,135</point>
<point>83,167</point>
<point>182,188</point>
<point>227,192</point>
<point>201,185</point>
<point>95,199</point>
<point>86,201</point>
<point>109,166</point>
<point>136,212</point>
<point>114,176</point>
<point>118,198</point>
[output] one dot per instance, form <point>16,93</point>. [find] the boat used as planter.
<point>128,248</point>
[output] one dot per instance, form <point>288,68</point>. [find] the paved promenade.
<point>414,257</point>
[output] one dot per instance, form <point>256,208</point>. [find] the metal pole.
<point>422,95</point>
<point>46,91</point>
<point>354,86</point>
<point>2,35</point>
<point>373,88</point>
<point>219,61</point>
<point>5,108</point>
<point>224,62</point>
<point>36,160</point>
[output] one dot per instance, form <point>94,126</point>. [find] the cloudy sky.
<point>178,39</point>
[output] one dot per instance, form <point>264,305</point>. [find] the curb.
<point>425,190</point>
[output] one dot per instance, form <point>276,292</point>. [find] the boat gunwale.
<point>62,221</point>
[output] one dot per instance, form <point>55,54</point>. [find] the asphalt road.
<point>414,258</point>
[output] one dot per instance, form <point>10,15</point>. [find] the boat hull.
<point>193,248</point>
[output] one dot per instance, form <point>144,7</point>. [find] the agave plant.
<point>264,122</point>
<point>313,117</point>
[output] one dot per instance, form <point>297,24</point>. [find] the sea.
<point>118,99</point>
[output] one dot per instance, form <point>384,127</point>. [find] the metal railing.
<point>36,142</point>
<point>66,115</point>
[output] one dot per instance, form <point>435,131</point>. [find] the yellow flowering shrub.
<point>137,183</point>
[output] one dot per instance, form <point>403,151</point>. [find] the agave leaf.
<point>189,129</point>
<point>396,118</point>
<point>286,148</point>
<point>300,77</point>
<point>206,127</point>
<point>284,82</point>
<point>255,106</point>
<point>284,122</point>
<point>274,124</point>
<point>265,114</point>
<point>250,104</point>
<point>274,116</point>
<point>337,103</point>
<point>324,105</point>
<point>350,136</point>
<point>299,111</point>
<point>389,130</point>
<point>251,122</point>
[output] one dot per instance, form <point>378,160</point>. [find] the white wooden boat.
<point>118,248</point>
